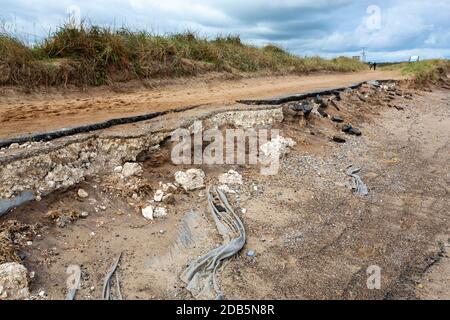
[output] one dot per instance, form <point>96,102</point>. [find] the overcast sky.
<point>389,30</point>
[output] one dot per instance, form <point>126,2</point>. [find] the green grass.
<point>92,55</point>
<point>421,66</point>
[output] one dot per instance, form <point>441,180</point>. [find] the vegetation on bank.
<point>423,72</point>
<point>92,55</point>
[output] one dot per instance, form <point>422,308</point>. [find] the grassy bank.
<point>91,55</point>
<point>428,71</point>
<point>423,72</point>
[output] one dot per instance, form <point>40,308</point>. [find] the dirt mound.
<point>436,76</point>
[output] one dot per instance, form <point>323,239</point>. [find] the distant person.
<point>370,65</point>
<point>374,66</point>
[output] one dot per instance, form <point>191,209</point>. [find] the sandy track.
<point>26,114</point>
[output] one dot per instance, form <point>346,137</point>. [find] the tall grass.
<point>14,57</point>
<point>92,55</point>
<point>428,71</point>
<point>423,72</point>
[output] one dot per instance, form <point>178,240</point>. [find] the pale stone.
<point>82,193</point>
<point>192,179</point>
<point>231,177</point>
<point>131,169</point>
<point>14,281</point>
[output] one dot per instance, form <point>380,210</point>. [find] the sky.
<point>390,30</point>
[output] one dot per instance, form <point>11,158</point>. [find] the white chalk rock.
<point>147,212</point>
<point>82,193</point>
<point>226,188</point>
<point>151,212</point>
<point>160,212</point>
<point>159,194</point>
<point>168,187</point>
<point>14,281</point>
<point>130,169</point>
<point>278,146</point>
<point>231,177</point>
<point>192,179</point>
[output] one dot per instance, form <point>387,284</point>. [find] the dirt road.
<point>25,114</point>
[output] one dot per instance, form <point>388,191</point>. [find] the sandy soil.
<point>312,236</point>
<point>315,240</point>
<point>41,112</point>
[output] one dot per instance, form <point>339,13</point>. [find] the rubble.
<point>388,86</point>
<point>277,146</point>
<point>169,198</point>
<point>351,130</point>
<point>14,145</point>
<point>246,118</point>
<point>168,186</point>
<point>337,119</point>
<point>361,97</point>
<point>158,197</point>
<point>130,169</point>
<point>192,179</point>
<point>322,112</point>
<point>225,188</point>
<point>14,281</point>
<point>151,212</point>
<point>298,109</point>
<point>63,221</point>
<point>58,166</point>
<point>374,83</point>
<point>231,177</point>
<point>147,212</point>
<point>82,193</point>
<point>159,212</point>
<point>338,139</point>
